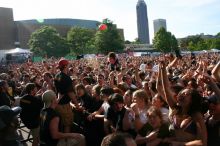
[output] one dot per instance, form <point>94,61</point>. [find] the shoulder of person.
<point>197,116</point>
<point>25,98</point>
<point>57,77</point>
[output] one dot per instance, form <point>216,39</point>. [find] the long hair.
<point>196,102</point>
<point>155,111</point>
<point>142,95</point>
<point>2,84</point>
<point>195,105</point>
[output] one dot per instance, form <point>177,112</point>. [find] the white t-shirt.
<point>165,114</point>
<point>105,106</point>
<point>143,116</point>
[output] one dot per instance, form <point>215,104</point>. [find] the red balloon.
<point>103,27</point>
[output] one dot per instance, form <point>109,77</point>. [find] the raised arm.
<point>216,72</point>
<point>167,88</point>
<point>208,80</point>
<point>172,64</point>
<point>159,86</point>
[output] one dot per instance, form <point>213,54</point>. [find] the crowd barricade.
<point>24,132</point>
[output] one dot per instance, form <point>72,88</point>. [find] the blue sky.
<point>184,17</point>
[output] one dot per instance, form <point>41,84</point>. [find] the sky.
<point>184,17</point>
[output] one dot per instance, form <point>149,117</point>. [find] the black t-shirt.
<point>47,115</point>
<point>86,101</point>
<point>116,66</point>
<point>4,99</point>
<point>31,108</point>
<point>213,129</point>
<point>116,118</point>
<point>63,84</point>
<point>96,104</point>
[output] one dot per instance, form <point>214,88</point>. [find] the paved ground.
<point>23,133</point>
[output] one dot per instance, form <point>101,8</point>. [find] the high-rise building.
<point>142,22</point>
<point>7,28</point>
<point>158,23</point>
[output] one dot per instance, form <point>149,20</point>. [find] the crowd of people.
<point>116,100</point>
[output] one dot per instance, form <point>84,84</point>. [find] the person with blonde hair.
<point>155,131</point>
<point>139,106</point>
<point>50,125</point>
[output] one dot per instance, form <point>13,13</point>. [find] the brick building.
<point>14,33</point>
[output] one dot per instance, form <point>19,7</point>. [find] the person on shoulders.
<point>64,86</point>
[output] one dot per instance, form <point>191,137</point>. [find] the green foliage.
<point>184,43</point>
<point>174,43</point>
<point>108,40</point>
<point>197,43</point>
<point>216,43</point>
<point>47,41</point>
<point>136,41</point>
<point>209,43</point>
<point>127,42</point>
<point>218,35</point>
<point>165,41</point>
<point>81,40</point>
<point>202,45</point>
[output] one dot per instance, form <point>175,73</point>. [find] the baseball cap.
<point>63,62</point>
<point>214,99</point>
<point>7,114</point>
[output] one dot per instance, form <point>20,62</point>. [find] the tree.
<point>192,46</point>
<point>81,40</point>
<point>218,35</point>
<point>165,41</point>
<point>174,43</point>
<point>209,43</point>
<point>194,43</point>
<point>136,41</point>
<point>47,41</point>
<point>216,43</point>
<point>183,43</point>
<point>127,42</point>
<point>108,40</point>
<point>194,39</point>
<point>202,45</point>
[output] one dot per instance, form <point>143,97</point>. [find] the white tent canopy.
<point>19,51</point>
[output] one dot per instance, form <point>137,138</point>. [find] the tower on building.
<point>158,23</point>
<point>142,22</point>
